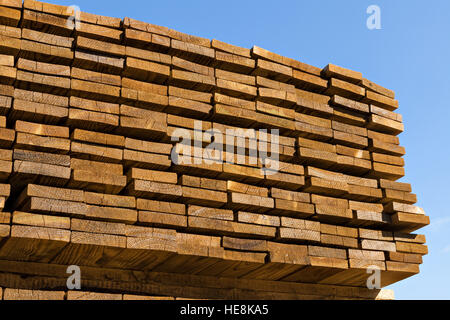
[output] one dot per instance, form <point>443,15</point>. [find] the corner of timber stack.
<point>88,175</point>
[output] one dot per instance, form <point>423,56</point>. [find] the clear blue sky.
<point>409,55</point>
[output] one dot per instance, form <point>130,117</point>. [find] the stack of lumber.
<point>88,175</point>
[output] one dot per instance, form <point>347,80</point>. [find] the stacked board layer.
<point>88,113</point>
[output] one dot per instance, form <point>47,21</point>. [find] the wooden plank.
<point>365,206</point>
<point>338,230</point>
<point>386,138</point>
<point>57,42</point>
<point>233,62</point>
<point>235,89</point>
<point>280,98</point>
<point>6,60</point>
<point>319,268</point>
<point>140,128</point>
<point>95,152</point>
<point>234,186</point>
<point>146,248</point>
<point>397,271</point>
<point>25,172</point>
<point>329,201</point>
<point>151,189</point>
<point>265,54</point>
<point>39,220</point>
<point>312,127</point>
<point>84,296</point>
<point>109,200</point>
<point>409,237</point>
<point>42,82</point>
<point>398,196</point>
<point>29,243</point>
<point>153,218</point>
<point>5,104</point>
<point>97,226</point>
<point>7,75</point>
<point>187,65</point>
<point>290,195</point>
<point>405,257</point>
<point>161,206</point>
<point>202,196</point>
<point>41,67</point>
<point>189,107</point>
<point>114,214</point>
<point>370,85</point>
<point>272,70</point>
<point>194,253</point>
<point>42,142</point>
<point>387,148</point>
<point>300,224</point>
<point>151,175</point>
<point>375,234</point>
<point>41,129</point>
<point>250,202</point>
<point>98,138</point>
<point>11,3</point>
<point>213,213</point>
<point>191,80</point>
<point>97,62</point>
<point>397,206</point>
<point>293,208</point>
<point>4,230</point>
<point>332,70</point>
<point>96,77</point>
<point>367,254</point>
<point>256,218</point>
<point>324,186</point>
<point>378,245</point>
<point>192,51</point>
<point>146,38</point>
<point>231,227</point>
<point>53,206</point>
<point>382,124</point>
<point>146,70</point>
<point>190,94</point>
<point>223,46</point>
<point>99,46</point>
<point>93,105</point>
<point>37,112</point>
<point>401,186</point>
<point>349,139</point>
<point>24,294</point>
<point>90,249</point>
<point>9,45</point>
<point>88,89</point>
<point>33,190</point>
<point>245,244</point>
<point>86,174</point>
<point>308,81</point>
<point>226,113</point>
<point>381,101</point>
<point>41,157</point>
<point>148,146</point>
<point>368,218</point>
<point>409,222</point>
<point>235,264</point>
<point>92,120</point>
<point>329,209</point>
<point>345,89</point>
<point>384,158</point>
